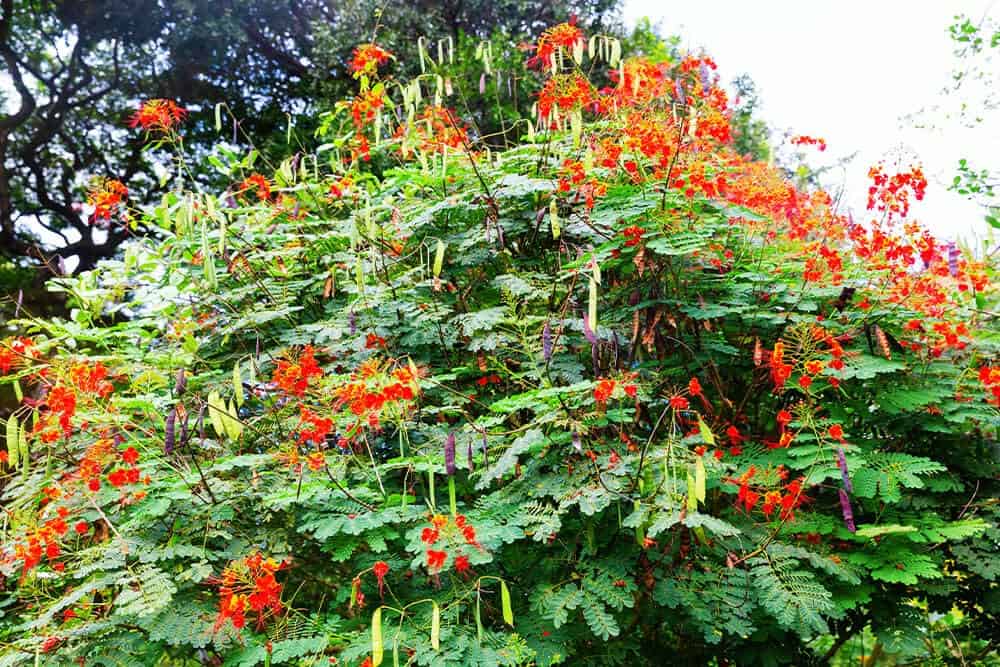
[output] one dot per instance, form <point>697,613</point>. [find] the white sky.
<point>848,71</point>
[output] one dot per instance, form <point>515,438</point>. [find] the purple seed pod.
<point>449,454</point>
<point>482,83</point>
<point>588,333</point>
<point>168,432</point>
<point>577,445</point>
<point>679,91</point>
<point>547,341</point>
<point>469,455</point>
<point>182,440</point>
<point>953,254</point>
<point>20,299</point>
<point>231,202</point>
<point>842,464</point>
<point>180,384</point>
<point>352,322</point>
<point>703,73</point>
<point>295,211</point>
<point>486,460</point>
<point>845,506</point>
<point>510,88</point>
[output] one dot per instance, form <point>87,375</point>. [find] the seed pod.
<point>352,322</point>
<point>842,464</point>
<point>184,429</point>
<point>953,254</point>
<point>449,454</point>
<point>181,382</point>
<point>679,91</point>
<point>883,342</point>
<point>703,74</point>
<point>758,353</point>
<point>469,457</point>
<point>485,443</point>
<point>168,432</point>
<point>845,506</point>
<point>547,343</point>
<point>482,83</point>
<point>577,445</point>
<point>588,333</point>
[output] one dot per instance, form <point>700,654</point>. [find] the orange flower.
<point>158,115</point>
<point>105,195</point>
<point>367,58</point>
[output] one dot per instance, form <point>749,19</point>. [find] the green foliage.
<point>429,456</point>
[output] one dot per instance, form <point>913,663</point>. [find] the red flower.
<point>380,568</point>
<point>679,403</point>
<point>130,456</point>
<point>805,381</point>
<point>105,196</point>
<point>367,58</point>
<point>462,564</point>
<point>435,560</point>
<point>837,432</point>
<point>158,116</point>
<point>603,390</point>
<point>82,527</point>
<point>694,387</point>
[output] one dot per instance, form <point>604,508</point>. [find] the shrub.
<point>611,395</point>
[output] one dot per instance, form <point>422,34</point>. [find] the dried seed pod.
<point>181,382</point>
<point>547,342</point>
<point>883,341</point>
<point>449,454</point>
<point>842,464</point>
<point>845,506</point>
<point>168,432</point>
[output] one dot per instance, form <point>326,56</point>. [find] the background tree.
<point>78,67</point>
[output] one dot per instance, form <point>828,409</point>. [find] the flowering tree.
<point>612,394</point>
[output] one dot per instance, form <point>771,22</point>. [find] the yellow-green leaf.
<point>699,478</point>
<point>377,637</point>
<point>706,433</point>
<point>13,446</point>
<point>439,258</point>
<point>692,496</point>
<point>215,410</point>
<point>238,385</point>
<point>592,307</point>
<point>508,613</point>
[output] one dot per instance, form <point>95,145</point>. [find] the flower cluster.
<point>560,38</point>
<point>249,586</point>
<point>803,140</point>
<point>786,497</point>
<point>435,130</point>
<point>457,533</point>
<point>106,195</point>
<point>377,391</point>
<point>158,115</point>
<point>367,58</point>
<point>891,193</point>
<point>610,388</point>
<point>16,353</point>
<point>256,183</point>
<point>293,375</point>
